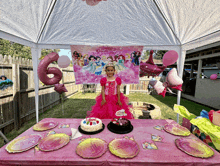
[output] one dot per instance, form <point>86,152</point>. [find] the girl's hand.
<point>119,103</point>
<point>103,102</point>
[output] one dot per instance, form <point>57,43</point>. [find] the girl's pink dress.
<point>108,110</point>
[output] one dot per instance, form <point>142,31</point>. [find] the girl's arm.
<point>118,92</point>
<point>103,93</point>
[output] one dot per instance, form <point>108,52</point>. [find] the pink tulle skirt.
<point>108,110</point>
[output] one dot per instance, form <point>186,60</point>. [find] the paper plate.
<point>53,142</point>
<point>124,148</point>
<point>91,148</point>
<point>42,126</point>
<point>176,129</point>
<point>194,147</point>
<point>23,143</point>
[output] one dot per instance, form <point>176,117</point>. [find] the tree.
<point>160,54</point>
<point>18,50</point>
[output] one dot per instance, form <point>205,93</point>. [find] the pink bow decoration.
<point>172,81</point>
<point>150,69</point>
<point>93,2</point>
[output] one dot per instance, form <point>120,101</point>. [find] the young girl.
<point>111,99</point>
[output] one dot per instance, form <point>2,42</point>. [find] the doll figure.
<point>75,57</point>
<point>91,66</point>
<point>100,64</point>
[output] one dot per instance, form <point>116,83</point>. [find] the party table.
<point>166,154</point>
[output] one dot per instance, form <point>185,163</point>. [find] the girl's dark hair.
<point>98,57</point>
<point>3,76</point>
<point>109,66</point>
<point>91,56</point>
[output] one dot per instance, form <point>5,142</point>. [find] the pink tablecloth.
<point>167,153</point>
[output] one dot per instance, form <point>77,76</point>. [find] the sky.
<point>65,52</point>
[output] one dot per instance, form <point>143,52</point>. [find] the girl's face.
<point>3,78</point>
<point>110,71</point>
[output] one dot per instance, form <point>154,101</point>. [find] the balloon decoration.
<point>214,76</point>
<point>172,81</point>
<point>43,70</point>
<point>5,82</point>
<point>93,2</point>
<point>150,69</point>
<point>63,61</point>
<point>60,88</point>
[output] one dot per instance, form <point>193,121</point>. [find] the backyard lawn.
<point>77,105</point>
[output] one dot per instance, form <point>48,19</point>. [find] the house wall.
<point>208,92</point>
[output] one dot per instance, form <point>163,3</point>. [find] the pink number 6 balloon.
<point>43,71</point>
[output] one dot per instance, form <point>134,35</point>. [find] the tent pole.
<point>36,54</point>
<point>180,68</point>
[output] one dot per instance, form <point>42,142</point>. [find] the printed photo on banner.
<point>89,63</point>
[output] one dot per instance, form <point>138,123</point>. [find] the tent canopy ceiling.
<point>190,23</point>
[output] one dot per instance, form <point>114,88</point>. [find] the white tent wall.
<point>156,24</point>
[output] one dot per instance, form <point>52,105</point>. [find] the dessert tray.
<point>23,143</point>
<point>91,148</point>
<point>42,126</point>
<point>194,147</point>
<point>124,147</point>
<point>176,129</point>
<point>53,142</point>
<point>91,133</point>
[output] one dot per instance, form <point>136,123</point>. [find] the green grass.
<point>79,104</point>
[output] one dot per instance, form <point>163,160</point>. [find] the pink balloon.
<point>149,68</point>
<point>213,76</point>
<point>63,61</point>
<point>170,58</point>
<point>43,71</point>
<point>92,2</point>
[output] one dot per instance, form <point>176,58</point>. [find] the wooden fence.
<point>17,103</point>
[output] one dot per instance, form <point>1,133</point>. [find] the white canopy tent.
<point>156,24</point>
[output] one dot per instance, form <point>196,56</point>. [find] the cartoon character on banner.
<point>136,58</point>
<point>172,81</point>
<point>80,60</point>
<point>86,60</point>
<point>100,64</point>
<point>5,82</point>
<point>150,69</point>
<point>91,67</point>
<point>93,2</point>
<point>43,71</point>
<point>75,57</point>
<point>133,55</point>
<point>121,60</point>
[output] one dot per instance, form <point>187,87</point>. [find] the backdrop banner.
<point>89,63</point>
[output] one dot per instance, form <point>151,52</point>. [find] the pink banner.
<point>89,63</point>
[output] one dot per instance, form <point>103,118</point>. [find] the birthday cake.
<point>120,124</point>
<point>91,124</point>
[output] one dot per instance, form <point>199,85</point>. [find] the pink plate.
<point>194,147</point>
<point>124,148</point>
<point>176,129</point>
<point>53,142</point>
<point>91,148</point>
<point>23,143</point>
<point>42,126</point>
